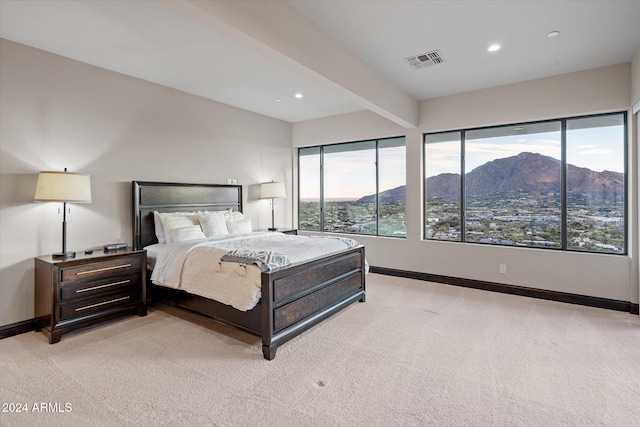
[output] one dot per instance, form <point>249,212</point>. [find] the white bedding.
<point>196,266</point>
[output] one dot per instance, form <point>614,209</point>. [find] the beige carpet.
<point>414,354</point>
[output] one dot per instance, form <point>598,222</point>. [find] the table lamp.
<point>63,187</point>
<point>272,190</point>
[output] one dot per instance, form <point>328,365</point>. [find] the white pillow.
<point>157,222</point>
<point>239,226</point>
<point>174,220</point>
<point>161,233</point>
<point>186,233</point>
<point>230,215</point>
<point>213,223</point>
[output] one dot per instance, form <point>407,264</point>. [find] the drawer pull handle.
<point>79,291</point>
<point>97,270</point>
<point>101,303</point>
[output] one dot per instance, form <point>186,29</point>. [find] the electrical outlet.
<point>234,181</point>
<point>503,268</point>
<point>228,180</point>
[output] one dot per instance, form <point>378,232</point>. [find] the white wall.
<point>594,91</point>
<point>57,113</point>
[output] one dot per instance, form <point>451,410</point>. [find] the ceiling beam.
<point>276,30</point>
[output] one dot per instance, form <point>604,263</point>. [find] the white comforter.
<point>196,266</point>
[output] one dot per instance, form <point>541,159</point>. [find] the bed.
<point>292,298</point>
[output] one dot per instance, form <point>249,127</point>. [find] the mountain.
<point>516,175</point>
<point>525,173</point>
<point>397,194</point>
<point>444,186</point>
<point>605,186</point>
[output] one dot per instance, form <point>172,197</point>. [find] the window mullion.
<point>377,189</point>
<point>463,202</point>
<point>625,247</point>
<point>563,183</point>
<point>321,188</point>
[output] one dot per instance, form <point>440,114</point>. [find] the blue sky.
<point>597,149</point>
<point>352,174</point>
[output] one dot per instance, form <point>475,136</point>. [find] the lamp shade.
<point>272,190</point>
<point>63,187</point>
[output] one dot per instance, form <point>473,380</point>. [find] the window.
<point>556,184</point>
<point>350,188</point>
<point>356,187</point>
<point>596,184</point>
<point>391,182</point>
<point>309,188</point>
<point>442,186</point>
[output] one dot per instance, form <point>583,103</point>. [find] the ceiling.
<point>172,44</point>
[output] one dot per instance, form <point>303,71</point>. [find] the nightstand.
<point>73,293</point>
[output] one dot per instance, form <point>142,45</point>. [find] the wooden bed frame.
<point>293,299</point>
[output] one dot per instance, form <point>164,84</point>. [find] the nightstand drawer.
<point>84,307</point>
<point>106,269</point>
<point>83,289</point>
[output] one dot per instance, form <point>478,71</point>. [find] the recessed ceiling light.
<point>553,33</point>
<point>298,95</point>
<point>278,99</point>
<point>494,47</point>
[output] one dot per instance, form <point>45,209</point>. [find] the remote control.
<point>114,246</point>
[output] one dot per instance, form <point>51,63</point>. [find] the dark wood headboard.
<point>177,197</point>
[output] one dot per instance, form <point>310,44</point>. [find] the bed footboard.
<point>297,298</point>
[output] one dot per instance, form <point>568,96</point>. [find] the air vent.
<point>425,60</point>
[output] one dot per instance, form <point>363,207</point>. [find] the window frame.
<point>563,184</point>
<point>321,148</point>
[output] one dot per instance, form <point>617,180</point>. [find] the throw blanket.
<point>265,260</point>
<point>269,260</point>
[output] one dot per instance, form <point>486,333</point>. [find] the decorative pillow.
<point>177,220</point>
<point>186,233</point>
<point>230,215</point>
<point>157,222</point>
<point>213,223</point>
<point>161,233</point>
<point>239,226</point>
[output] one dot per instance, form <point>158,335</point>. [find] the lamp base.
<point>272,229</point>
<point>64,255</point>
